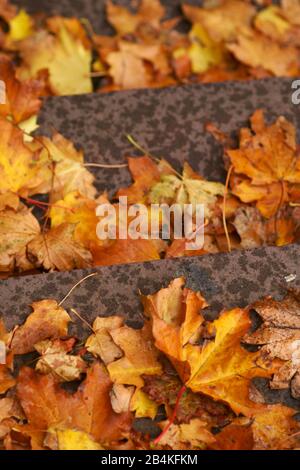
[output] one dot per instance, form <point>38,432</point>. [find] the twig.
<point>76,285</point>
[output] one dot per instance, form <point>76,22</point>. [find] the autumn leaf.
<point>47,321</point>
<point>69,173</point>
<point>291,11</point>
<point>17,229</point>
<point>235,436</point>
<point>7,10</point>
<point>89,410</point>
<point>139,356</point>
<point>273,427</point>
<point>279,336</point>
<point>128,251</point>
<point>65,57</point>
<point>268,161</point>
<point>56,361</point>
<point>222,22</point>
<point>177,335</point>
<point>271,22</point>
<point>6,379</point>
<point>101,343</point>
<point>22,98</point>
<point>257,50</point>
<point>190,189</point>
<point>57,249</point>
<point>20,27</point>
<point>80,211</point>
<point>127,70</point>
<point>145,174</point>
<point>143,406</point>
<point>164,390</point>
<point>20,168</point>
<point>150,12</point>
<point>193,435</point>
<point>70,439</point>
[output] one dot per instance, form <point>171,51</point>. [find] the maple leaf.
<point>69,172</point>
<point>191,189</point>
<point>145,174</point>
<point>17,229</point>
<point>20,168</point>
<point>222,22</point>
<point>89,410</point>
<point>279,336</point>
<point>150,12</point>
<point>268,158</point>
<point>256,50</point>
<point>220,368</point>
<point>22,98</point>
<point>47,321</point>
<point>65,57</point>
<point>55,360</point>
<point>57,249</point>
<point>81,212</point>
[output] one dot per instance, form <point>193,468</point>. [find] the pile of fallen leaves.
<point>229,39</point>
<point>190,378</point>
<point>48,199</point>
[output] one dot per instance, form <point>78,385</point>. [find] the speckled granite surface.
<point>226,280</point>
<point>169,122</point>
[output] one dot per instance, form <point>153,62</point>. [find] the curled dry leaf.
<point>17,229</point>
<point>57,249</point>
<point>56,361</point>
<point>279,336</point>
<point>47,321</point>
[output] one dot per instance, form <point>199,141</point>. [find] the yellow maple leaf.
<point>66,58</point>
<point>220,368</point>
